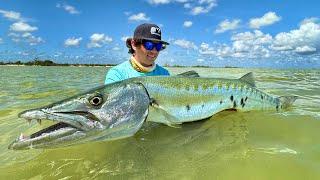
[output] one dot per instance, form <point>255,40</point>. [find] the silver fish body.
<point>118,110</point>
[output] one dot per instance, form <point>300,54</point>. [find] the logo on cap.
<point>155,31</point>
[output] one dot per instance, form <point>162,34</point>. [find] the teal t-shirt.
<point>125,71</point>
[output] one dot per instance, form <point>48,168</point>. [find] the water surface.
<point>229,145</point>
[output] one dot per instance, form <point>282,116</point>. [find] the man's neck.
<point>140,66</point>
<point>142,63</point>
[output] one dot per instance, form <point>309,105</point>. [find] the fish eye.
<point>96,100</point>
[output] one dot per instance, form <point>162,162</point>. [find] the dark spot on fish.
<point>242,103</point>
<point>187,87</point>
<point>220,101</point>
<point>234,104</point>
<point>261,97</point>
<point>188,107</point>
<point>202,106</point>
<point>246,98</point>
<point>281,106</point>
<point>231,97</point>
<point>277,107</point>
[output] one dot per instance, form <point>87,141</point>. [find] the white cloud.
<point>205,49</point>
<point>11,34</point>
<point>196,7</point>
<point>257,45</point>
<point>227,25</point>
<point>72,41</point>
<point>156,2</point>
<point>11,15</point>
<point>24,53</point>
<point>98,40</point>
<point>187,24</point>
<point>308,20</point>
<point>203,6</point>
<point>305,50</point>
<point>25,37</point>
<point>27,34</point>
<point>182,1</point>
<point>185,44</point>
<point>32,40</point>
<point>281,48</point>
<point>251,45</point>
<point>68,8</point>
<point>255,38</point>
<point>159,2</point>
<point>308,35</point>
<point>267,19</point>
<point>139,17</point>
<point>22,27</point>
<point>247,44</point>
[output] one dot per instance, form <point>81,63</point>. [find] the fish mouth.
<point>60,133</point>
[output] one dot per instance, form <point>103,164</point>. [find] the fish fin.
<point>174,125</point>
<point>191,73</point>
<point>249,79</point>
<point>162,116</point>
<point>287,101</point>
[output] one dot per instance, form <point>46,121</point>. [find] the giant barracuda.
<point>119,109</point>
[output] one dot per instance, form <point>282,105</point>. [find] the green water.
<point>230,145</point>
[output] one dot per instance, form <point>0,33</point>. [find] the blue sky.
<point>247,33</point>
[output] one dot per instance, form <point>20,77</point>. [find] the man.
<point>144,47</point>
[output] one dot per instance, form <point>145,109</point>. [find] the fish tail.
<point>287,101</point>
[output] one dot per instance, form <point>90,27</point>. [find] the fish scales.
<point>190,99</point>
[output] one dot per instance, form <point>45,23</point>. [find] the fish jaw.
<point>69,128</point>
<point>121,113</point>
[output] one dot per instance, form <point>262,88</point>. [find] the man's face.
<point>144,56</point>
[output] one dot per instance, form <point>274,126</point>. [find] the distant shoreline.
<point>38,62</point>
<point>69,65</point>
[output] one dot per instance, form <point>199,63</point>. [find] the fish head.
<point>108,112</point>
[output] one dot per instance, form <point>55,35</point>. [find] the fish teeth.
<point>39,121</point>
<point>22,137</point>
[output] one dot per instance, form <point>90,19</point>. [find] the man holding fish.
<point>144,47</point>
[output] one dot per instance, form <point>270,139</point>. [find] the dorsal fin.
<point>191,73</point>
<point>249,79</point>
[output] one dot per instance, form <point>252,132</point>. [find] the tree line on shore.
<point>38,62</point>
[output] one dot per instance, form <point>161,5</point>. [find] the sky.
<point>218,33</point>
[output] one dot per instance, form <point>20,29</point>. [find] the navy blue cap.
<point>148,32</point>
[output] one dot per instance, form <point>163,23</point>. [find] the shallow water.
<point>230,145</point>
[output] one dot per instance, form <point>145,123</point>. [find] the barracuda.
<point>118,110</point>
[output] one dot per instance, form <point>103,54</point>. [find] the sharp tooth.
<point>21,137</point>
<point>39,121</point>
<point>29,121</point>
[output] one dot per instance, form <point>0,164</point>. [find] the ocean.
<point>229,145</point>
